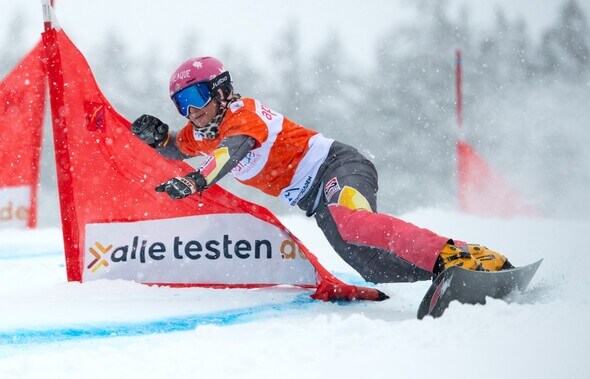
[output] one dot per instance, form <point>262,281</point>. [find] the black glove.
<point>181,187</point>
<point>150,129</point>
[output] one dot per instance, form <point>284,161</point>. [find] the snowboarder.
<point>327,179</point>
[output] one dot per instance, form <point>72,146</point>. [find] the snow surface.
<point>112,329</point>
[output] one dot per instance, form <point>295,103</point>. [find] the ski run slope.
<point>50,328</point>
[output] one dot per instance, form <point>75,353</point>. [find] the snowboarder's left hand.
<point>180,187</point>
<point>150,130</point>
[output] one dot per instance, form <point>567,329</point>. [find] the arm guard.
<point>231,150</point>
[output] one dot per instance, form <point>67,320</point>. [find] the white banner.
<point>210,249</point>
<point>15,206</point>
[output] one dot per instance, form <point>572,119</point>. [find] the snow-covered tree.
<point>566,45</point>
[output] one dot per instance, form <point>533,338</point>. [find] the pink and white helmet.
<point>196,70</point>
<point>195,83</point>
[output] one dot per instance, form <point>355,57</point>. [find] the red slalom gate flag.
<point>116,226</point>
<point>22,106</point>
<point>484,191</point>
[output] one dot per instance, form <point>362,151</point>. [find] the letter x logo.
<point>99,260</point>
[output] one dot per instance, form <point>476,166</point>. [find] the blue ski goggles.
<point>198,95</point>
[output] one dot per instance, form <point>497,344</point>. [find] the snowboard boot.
<point>490,260</point>
<point>452,255</point>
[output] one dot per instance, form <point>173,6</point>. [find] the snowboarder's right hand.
<point>180,187</point>
<point>151,130</point>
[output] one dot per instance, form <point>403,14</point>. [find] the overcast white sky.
<point>250,26</point>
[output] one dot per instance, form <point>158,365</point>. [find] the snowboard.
<point>472,287</point>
